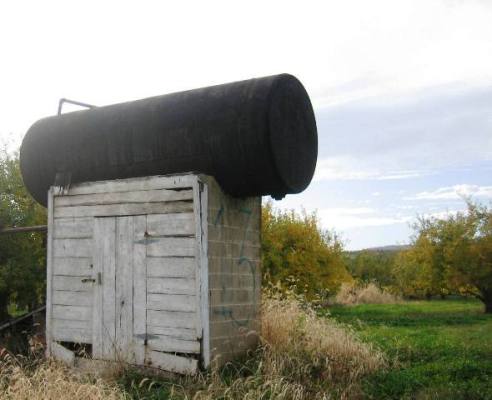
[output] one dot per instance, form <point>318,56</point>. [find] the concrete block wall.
<point>234,262</point>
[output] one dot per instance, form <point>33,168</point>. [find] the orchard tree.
<point>22,256</point>
<point>295,248</point>
<point>461,251</point>
<point>373,266</point>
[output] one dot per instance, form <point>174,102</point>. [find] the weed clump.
<point>27,378</point>
<point>302,356</point>
<point>350,294</point>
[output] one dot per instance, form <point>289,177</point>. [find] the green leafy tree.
<point>22,256</point>
<point>294,247</point>
<point>373,266</point>
<point>413,270</point>
<point>459,252</point>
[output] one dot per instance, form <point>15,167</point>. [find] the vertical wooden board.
<point>97,300</point>
<point>103,330</point>
<point>201,215</point>
<point>49,272</point>
<point>124,287</point>
<point>139,288</point>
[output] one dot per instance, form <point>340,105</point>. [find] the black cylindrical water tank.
<point>256,137</point>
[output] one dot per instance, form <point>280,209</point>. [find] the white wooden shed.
<point>160,271</point>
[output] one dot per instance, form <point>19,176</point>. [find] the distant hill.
<point>390,248</point>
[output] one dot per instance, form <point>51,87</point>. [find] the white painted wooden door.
<point>119,311</point>
<point>146,307</point>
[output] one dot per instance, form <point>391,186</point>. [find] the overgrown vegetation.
<point>22,256</point>
<point>36,378</point>
<point>364,293</point>
<point>448,256</point>
<point>302,356</point>
<point>294,246</point>
<point>439,349</point>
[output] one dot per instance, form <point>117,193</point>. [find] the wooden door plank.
<point>171,267</point>
<point>171,246</point>
<point>72,247</point>
<point>124,287</point>
<point>133,184</point>
<point>73,228</point>
<point>62,354</point>
<point>79,313</point>
<point>178,333</point>
<point>171,224</point>
<point>171,285</point>
<point>173,363</point>
<point>147,196</point>
<point>103,331</point>
<point>69,298</point>
<point>139,288</point>
<point>171,319</point>
<point>73,266</point>
<point>174,345</point>
<point>123,209</point>
<point>171,302</point>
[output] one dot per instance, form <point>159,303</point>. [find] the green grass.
<point>440,349</point>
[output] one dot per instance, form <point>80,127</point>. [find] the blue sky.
<point>402,90</point>
<point>385,160</point>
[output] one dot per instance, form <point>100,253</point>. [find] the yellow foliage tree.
<point>295,248</point>
<point>450,255</point>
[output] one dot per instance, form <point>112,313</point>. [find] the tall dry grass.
<point>302,356</point>
<point>350,294</point>
<point>36,379</point>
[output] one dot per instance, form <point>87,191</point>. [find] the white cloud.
<point>357,217</point>
<point>454,193</point>
<point>340,50</point>
<point>348,168</point>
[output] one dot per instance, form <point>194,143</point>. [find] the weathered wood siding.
<point>140,236</point>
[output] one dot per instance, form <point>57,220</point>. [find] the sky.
<point>402,90</point>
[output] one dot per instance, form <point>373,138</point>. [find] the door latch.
<point>93,280</point>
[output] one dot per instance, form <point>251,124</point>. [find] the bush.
<point>364,294</point>
<point>294,246</point>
